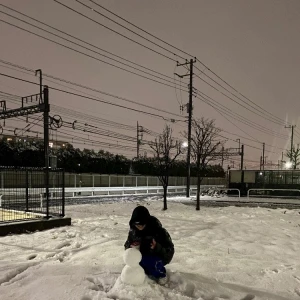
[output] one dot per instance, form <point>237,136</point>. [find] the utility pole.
<point>263,157</point>
<point>39,71</point>
<point>46,145</point>
<point>242,167</point>
<point>239,140</point>
<point>242,157</point>
<point>292,140</point>
<point>139,136</point>
<point>222,157</point>
<point>260,163</point>
<point>190,115</point>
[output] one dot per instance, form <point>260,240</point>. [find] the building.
<point>54,144</point>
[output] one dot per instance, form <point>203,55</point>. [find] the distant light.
<point>288,165</point>
<point>9,139</point>
<point>260,173</point>
<point>63,145</point>
<point>185,144</point>
<point>51,145</point>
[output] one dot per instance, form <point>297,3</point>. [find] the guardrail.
<point>291,190</point>
<point>81,192</point>
<point>93,191</point>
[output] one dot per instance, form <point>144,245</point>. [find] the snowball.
<point>132,257</point>
<point>133,275</point>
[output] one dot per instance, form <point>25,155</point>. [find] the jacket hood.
<point>140,215</point>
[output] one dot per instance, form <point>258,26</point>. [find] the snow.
<point>132,257</point>
<point>132,273</point>
<point>235,253</point>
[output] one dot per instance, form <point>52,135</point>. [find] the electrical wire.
<point>85,97</point>
<point>85,42</point>
<point>102,25</point>
<point>88,88</point>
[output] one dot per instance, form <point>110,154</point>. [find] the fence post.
<point>136,181</point>
<point>93,180</point>
<point>108,180</point>
<point>27,192</point>
<point>75,180</point>
<point>63,194</point>
<point>123,180</point>
<point>147,181</point>
<point>47,191</point>
<point>2,180</point>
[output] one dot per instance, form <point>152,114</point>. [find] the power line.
<point>206,67</point>
<point>105,56</point>
<point>142,30</point>
<point>115,31</point>
<point>88,55</point>
<point>238,91</point>
<point>86,97</point>
<point>83,41</point>
<point>139,35</point>
<point>86,87</point>
<point>99,101</point>
<point>236,116</point>
<point>237,102</point>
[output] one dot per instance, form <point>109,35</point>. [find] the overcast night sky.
<point>253,45</point>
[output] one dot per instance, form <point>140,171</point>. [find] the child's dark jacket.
<point>164,246</point>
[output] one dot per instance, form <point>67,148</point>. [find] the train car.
<point>266,182</point>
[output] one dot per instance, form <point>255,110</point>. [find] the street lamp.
<point>185,144</point>
<point>288,165</point>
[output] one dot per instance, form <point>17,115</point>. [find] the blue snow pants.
<point>153,266</point>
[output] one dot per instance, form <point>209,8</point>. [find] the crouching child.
<point>154,242</point>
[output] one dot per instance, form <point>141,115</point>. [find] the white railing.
<point>93,191</point>
<point>97,180</point>
<point>291,190</point>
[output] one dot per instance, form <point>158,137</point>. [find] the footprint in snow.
<point>95,285</point>
<point>63,244</point>
<point>86,298</point>
<point>31,256</point>
<point>248,297</point>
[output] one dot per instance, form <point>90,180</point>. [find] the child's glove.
<point>135,245</point>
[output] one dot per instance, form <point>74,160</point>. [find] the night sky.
<point>251,45</point>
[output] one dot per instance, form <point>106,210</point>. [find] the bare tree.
<point>205,147</point>
<point>294,157</point>
<point>166,149</point>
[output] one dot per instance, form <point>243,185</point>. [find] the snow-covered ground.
<point>234,253</point>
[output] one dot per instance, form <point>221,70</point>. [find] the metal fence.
<point>23,193</point>
<point>104,180</point>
